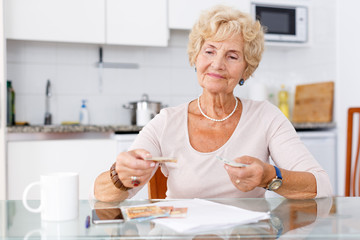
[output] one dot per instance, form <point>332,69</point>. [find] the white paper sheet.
<point>205,215</point>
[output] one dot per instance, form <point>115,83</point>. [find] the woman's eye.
<point>209,52</point>
<point>232,57</point>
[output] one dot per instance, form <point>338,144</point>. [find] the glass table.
<point>326,218</point>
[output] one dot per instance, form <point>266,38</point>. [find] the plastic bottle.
<point>84,114</point>
<point>10,104</point>
<point>283,98</point>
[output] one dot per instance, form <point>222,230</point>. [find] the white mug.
<point>59,196</point>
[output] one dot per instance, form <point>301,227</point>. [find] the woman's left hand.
<point>247,178</point>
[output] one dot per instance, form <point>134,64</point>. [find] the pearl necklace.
<point>217,120</point>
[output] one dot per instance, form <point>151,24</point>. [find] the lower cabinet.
<point>124,141</point>
<point>322,144</point>
<point>27,160</point>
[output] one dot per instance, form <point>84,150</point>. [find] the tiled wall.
<point>163,73</point>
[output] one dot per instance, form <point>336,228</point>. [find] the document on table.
<point>203,215</point>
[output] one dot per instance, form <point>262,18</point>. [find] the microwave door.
<point>283,24</point>
<point>278,22</point>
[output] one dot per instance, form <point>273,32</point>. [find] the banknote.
<point>162,159</point>
<point>178,213</point>
<point>175,212</point>
<point>231,162</point>
<point>148,212</point>
<point>144,212</point>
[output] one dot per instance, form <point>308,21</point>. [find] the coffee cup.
<point>59,196</point>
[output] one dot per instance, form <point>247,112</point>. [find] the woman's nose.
<point>218,62</point>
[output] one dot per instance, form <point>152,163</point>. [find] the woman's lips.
<point>215,75</point>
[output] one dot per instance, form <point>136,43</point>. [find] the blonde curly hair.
<point>222,22</point>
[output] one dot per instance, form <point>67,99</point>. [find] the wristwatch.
<point>276,182</point>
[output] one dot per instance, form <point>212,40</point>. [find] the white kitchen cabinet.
<point>184,13</point>
<point>137,22</point>
<point>322,145</point>
<point>27,160</point>
<point>55,20</point>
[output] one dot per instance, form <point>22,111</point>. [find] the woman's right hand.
<point>133,164</point>
<point>128,164</point>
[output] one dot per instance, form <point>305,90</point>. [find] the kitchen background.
<point>165,75</point>
<point>164,72</point>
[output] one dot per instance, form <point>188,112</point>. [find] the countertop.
<point>125,128</point>
<point>66,132</point>
<point>73,129</point>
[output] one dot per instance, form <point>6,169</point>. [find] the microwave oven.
<point>282,23</point>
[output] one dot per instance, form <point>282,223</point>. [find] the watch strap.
<point>278,172</point>
<point>278,178</point>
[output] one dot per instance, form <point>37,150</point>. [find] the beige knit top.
<point>262,132</point>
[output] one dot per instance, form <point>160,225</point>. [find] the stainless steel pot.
<point>143,111</point>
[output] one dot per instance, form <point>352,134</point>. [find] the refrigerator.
<point>2,105</point>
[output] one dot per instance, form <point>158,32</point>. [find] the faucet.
<point>47,103</point>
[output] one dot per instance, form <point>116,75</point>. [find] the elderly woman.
<point>225,46</point>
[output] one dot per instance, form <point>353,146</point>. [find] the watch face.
<point>275,184</point>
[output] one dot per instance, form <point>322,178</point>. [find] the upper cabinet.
<point>135,22</point>
<point>55,20</point>
<point>184,13</point>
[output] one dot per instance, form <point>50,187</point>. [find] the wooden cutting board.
<point>313,103</point>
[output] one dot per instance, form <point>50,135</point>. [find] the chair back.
<point>157,185</point>
<point>352,175</point>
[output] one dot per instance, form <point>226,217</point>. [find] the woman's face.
<point>220,65</point>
